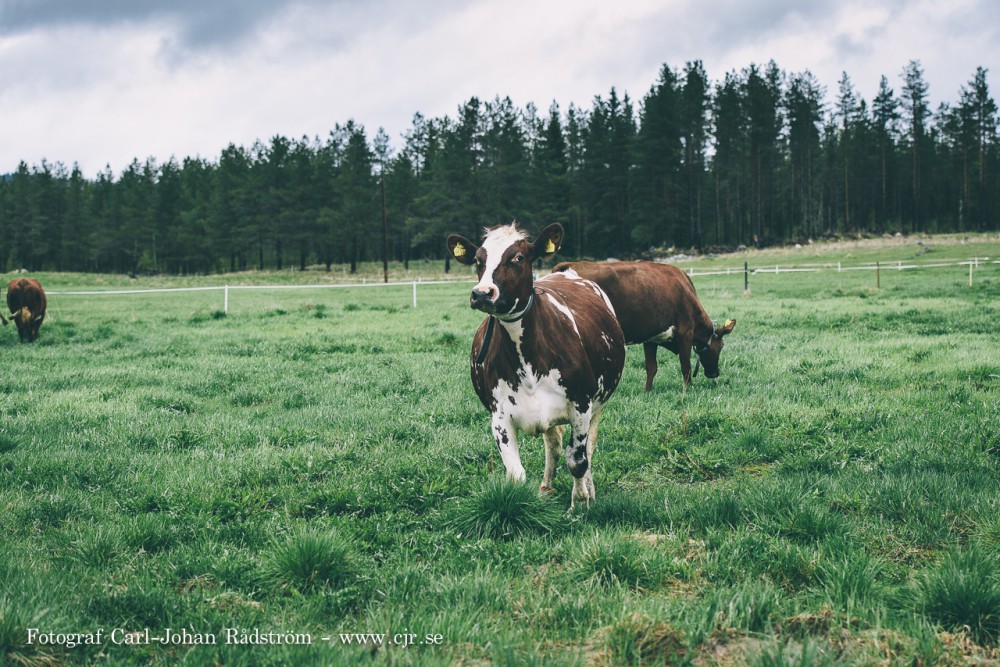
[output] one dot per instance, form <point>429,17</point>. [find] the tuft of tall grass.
<point>988,532</point>
<point>311,559</point>
<point>963,591</point>
<point>98,546</point>
<point>850,580</point>
<point>718,510</point>
<point>640,640</point>
<point>506,509</point>
<point>615,558</point>
<point>792,654</point>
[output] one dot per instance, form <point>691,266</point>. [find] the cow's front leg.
<point>553,446</point>
<point>506,438</point>
<point>650,350</point>
<point>578,455</point>
<point>684,350</point>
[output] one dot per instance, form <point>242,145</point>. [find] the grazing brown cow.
<point>26,300</point>
<point>656,305</point>
<point>550,353</point>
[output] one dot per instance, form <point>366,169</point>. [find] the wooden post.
<point>225,301</point>
<point>746,280</point>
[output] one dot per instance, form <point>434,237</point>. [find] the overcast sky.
<point>100,82</point>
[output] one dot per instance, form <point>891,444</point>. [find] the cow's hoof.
<point>583,491</point>
<point>517,476</point>
<point>546,489</point>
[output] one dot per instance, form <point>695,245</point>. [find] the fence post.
<point>225,300</point>
<point>414,293</point>
<point>970,274</point>
<point>746,280</point>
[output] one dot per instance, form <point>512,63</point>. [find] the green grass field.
<point>315,463</point>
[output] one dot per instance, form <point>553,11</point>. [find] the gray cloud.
<point>205,24</point>
<point>199,24</point>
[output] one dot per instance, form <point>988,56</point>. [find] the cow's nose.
<point>483,295</point>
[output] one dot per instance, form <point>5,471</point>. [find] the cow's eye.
<point>517,259</point>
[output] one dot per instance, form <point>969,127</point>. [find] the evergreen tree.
<point>730,160</point>
<point>551,169</point>
<point>358,191</point>
<point>978,113</point>
<point>19,216</point>
<point>608,145</point>
<point>885,120</point>
<point>803,105</point>
<point>503,173</point>
<point>75,243</point>
<point>576,234</point>
<point>847,111</point>
<point>694,120</point>
<point>196,250</point>
<point>170,238</point>
<point>232,211</point>
<point>917,112</point>
<point>763,99</point>
<point>659,155</point>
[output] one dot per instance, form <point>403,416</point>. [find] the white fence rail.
<point>972,262</point>
<point>897,265</point>
<point>225,289</point>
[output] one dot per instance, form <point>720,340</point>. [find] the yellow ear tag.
<point>729,323</point>
<point>551,247</point>
<point>458,250</point>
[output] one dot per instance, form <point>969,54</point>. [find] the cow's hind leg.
<point>578,455</point>
<point>505,436</point>
<point>650,350</point>
<point>588,478</point>
<point>553,447</point>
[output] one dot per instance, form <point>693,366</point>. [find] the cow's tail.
<point>3,319</point>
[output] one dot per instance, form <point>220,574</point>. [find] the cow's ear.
<point>462,249</point>
<point>727,327</point>
<point>548,242</point>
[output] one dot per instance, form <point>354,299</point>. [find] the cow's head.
<point>22,317</point>
<point>503,263</point>
<point>709,354</point>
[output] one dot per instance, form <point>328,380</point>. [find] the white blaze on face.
<point>496,243</point>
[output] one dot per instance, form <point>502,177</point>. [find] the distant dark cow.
<point>26,300</point>
<point>656,305</point>
<point>550,353</point>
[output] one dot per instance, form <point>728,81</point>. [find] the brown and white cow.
<point>657,305</point>
<point>26,300</point>
<point>550,353</point>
